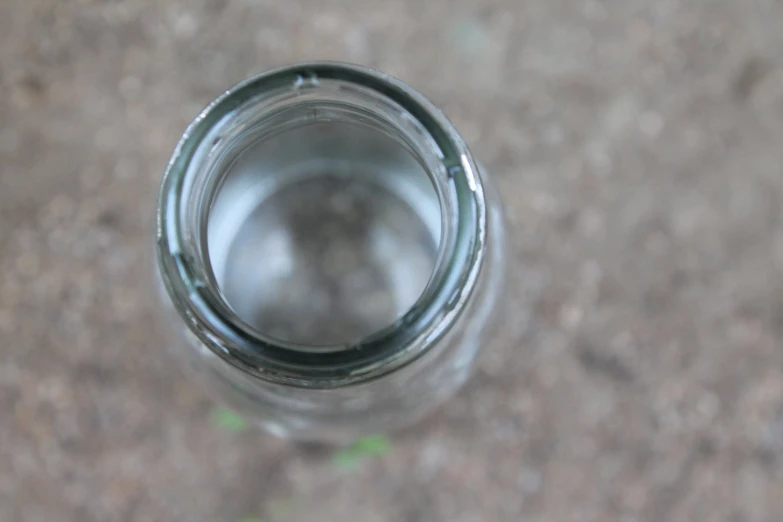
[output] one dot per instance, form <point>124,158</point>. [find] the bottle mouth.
<point>287,151</point>
<point>324,226</point>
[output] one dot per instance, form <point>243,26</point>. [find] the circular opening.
<point>324,225</point>
<point>199,215</point>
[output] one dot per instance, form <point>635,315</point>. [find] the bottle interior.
<point>323,232</point>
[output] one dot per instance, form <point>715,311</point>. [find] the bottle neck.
<point>269,106</point>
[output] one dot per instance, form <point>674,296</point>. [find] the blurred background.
<point>637,146</point>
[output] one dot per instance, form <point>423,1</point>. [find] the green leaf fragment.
<point>375,445</point>
<point>228,420</point>
<point>349,458</point>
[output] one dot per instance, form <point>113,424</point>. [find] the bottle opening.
<point>319,225</point>
<point>324,227</point>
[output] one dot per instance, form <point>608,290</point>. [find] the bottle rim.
<point>187,276</point>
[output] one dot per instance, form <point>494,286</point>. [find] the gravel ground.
<point>637,146</point>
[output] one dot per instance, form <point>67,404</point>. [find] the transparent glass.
<point>332,257</point>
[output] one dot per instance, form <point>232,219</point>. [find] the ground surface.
<point>638,147</point>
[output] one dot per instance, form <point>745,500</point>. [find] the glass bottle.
<point>331,249</point>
